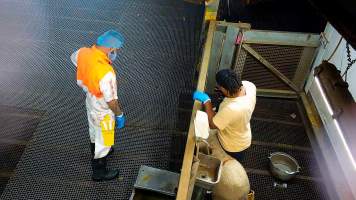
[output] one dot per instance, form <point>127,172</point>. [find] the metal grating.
<point>154,67</point>
<point>283,58</point>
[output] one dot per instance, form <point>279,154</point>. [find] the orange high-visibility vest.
<point>92,66</point>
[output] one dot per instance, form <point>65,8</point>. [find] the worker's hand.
<point>120,121</point>
<point>201,96</point>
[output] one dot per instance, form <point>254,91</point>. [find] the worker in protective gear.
<point>96,76</point>
<point>233,117</point>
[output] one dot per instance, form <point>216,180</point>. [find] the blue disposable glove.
<point>120,121</point>
<point>201,96</point>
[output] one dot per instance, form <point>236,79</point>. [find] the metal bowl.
<point>283,166</point>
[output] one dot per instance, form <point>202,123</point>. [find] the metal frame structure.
<point>226,53</point>
<point>221,51</point>
<point>186,173</point>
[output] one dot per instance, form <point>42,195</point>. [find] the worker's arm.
<point>115,107</point>
<point>208,106</point>
<point>108,87</point>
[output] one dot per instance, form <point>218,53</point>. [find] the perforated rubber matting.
<point>296,190</point>
<point>277,127</point>
<point>156,64</point>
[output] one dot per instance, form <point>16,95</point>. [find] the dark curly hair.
<point>229,80</point>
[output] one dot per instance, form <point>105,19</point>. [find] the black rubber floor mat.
<point>3,182</point>
<point>296,190</point>
<point>68,165</point>
<point>177,151</point>
<point>267,130</point>
<point>257,158</point>
<point>277,109</point>
<point>17,127</point>
<point>157,62</point>
<point>10,154</point>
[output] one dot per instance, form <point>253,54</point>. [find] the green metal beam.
<point>215,57</point>
<point>287,94</point>
<point>281,38</point>
<point>229,48</point>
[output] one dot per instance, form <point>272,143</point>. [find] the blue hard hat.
<point>110,39</point>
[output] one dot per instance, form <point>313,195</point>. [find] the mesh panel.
<point>240,62</point>
<point>284,58</point>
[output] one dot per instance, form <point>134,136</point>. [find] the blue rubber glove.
<point>201,96</point>
<point>120,121</point>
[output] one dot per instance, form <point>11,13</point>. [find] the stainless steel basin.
<point>283,166</point>
<point>209,171</point>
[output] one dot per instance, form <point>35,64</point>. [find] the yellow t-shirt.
<point>233,120</point>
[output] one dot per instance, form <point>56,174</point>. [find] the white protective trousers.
<point>97,109</point>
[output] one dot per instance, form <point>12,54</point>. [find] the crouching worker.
<point>232,133</point>
<point>96,76</point>
<point>233,118</point>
